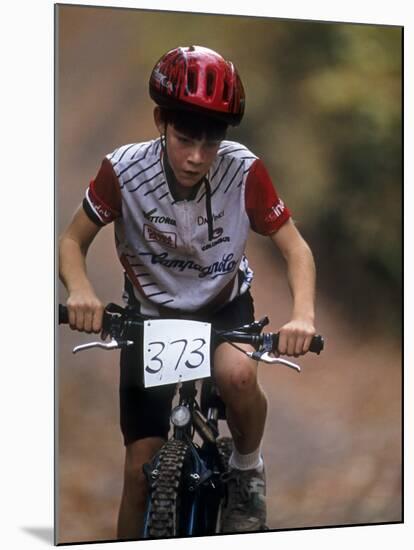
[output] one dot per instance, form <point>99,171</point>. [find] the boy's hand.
<point>295,337</point>
<point>85,311</point>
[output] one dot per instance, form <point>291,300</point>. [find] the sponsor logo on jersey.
<point>217,239</point>
<point>103,213</point>
<point>151,217</point>
<point>166,238</point>
<point>275,212</point>
<point>226,265</point>
<point>215,243</point>
<point>201,220</point>
<point>217,232</point>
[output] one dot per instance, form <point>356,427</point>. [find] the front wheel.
<point>164,502</point>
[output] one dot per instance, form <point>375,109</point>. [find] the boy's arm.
<point>84,308</point>
<point>296,335</point>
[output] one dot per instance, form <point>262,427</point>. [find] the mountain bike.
<point>186,481</point>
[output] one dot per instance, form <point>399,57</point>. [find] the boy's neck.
<point>178,191</point>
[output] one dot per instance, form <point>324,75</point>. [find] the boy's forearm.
<point>72,265</point>
<point>302,279</point>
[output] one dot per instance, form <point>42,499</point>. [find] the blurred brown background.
<point>324,112</point>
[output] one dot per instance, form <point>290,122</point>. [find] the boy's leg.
<point>246,404</point>
<point>246,407</point>
<point>134,493</point>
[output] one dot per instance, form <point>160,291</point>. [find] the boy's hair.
<point>195,125</point>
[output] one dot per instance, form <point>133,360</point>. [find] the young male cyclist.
<point>182,206</point>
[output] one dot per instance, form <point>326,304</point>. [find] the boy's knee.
<point>238,380</point>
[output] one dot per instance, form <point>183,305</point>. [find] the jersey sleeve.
<point>266,211</point>
<point>102,202</point>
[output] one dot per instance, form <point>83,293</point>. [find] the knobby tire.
<point>163,520</point>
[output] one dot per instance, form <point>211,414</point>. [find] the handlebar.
<point>117,322</point>
<point>270,339</point>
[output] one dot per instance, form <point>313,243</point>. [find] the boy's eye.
<point>189,141</point>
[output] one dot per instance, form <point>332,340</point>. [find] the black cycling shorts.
<point>146,412</point>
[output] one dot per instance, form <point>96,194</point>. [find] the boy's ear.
<point>159,122</point>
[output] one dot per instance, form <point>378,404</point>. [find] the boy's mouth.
<point>190,175</point>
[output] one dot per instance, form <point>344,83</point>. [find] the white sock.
<point>250,461</point>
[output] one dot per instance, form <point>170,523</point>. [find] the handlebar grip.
<point>63,315</point>
<point>316,346</point>
<point>107,320</point>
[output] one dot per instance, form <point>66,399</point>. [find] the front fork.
<point>201,493</point>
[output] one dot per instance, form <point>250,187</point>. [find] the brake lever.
<point>265,357</point>
<point>113,344</point>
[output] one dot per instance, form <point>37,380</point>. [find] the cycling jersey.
<point>184,254</point>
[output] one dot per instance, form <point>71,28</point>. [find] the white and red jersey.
<point>163,243</point>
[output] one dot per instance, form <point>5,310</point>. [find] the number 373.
<point>191,353</point>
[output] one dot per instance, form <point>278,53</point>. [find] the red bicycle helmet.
<point>200,79</point>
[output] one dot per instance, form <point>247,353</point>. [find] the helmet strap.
<point>163,139</point>
<point>210,222</point>
<point>169,172</point>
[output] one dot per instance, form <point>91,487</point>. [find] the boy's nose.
<point>197,155</point>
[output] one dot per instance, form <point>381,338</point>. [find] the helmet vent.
<point>211,80</point>
<point>192,82</point>
<point>225,91</point>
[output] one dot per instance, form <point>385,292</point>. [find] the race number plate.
<point>175,350</point>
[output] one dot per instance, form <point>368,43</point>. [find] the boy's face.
<point>189,158</point>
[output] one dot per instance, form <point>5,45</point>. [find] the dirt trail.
<point>332,444</point>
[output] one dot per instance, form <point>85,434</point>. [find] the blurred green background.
<point>324,111</point>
